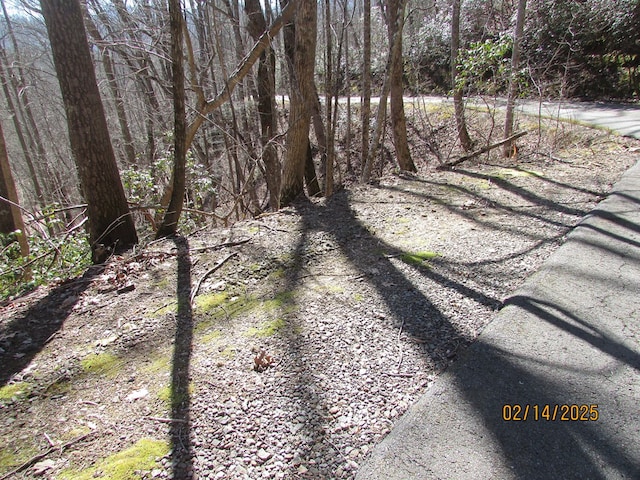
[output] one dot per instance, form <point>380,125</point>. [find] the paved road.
<point>623,119</point>
<point>570,337</point>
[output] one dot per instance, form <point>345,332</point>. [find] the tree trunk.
<point>310,175</point>
<point>266,102</point>
<point>23,103</point>
<point>458,105</point>
<point>328,95</point>
<point>112,81</point>
<point>110,224</point>
<point>10,214</point>
<point>508,149</point>
<point>26,151</point>
<point>302,91</point>
<point>170,223</point>
<point>366,85</point>
<point>395,24</point>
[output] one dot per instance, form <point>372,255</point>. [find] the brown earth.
<point>320,326</point>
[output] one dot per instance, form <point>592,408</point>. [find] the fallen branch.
<point>40,456</point>
<point>194,294</point>
<point>450,165</point>
<point>219,246</point>
<point>165,420</point>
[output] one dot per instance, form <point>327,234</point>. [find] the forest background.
<point>216,111</point>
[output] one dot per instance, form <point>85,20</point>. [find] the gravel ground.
<point>319,327</point>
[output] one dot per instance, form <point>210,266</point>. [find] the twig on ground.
<point>166,420</point>
<point>399,375</point>
<point>194,294</point>
<point>49,440</point>
<point>220,245</point>
<point>40,456</point>
<point>400,347</point>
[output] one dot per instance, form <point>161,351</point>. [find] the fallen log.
<point>450,165</point>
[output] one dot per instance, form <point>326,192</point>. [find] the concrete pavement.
<point>551,388</point>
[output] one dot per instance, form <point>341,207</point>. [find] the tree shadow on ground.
<point>523,193</point>
<point>411,309</point>
<point>24,337</point>
<point>180,434</point>
<point>540,449</point>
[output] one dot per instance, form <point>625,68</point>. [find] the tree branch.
<point>450,165</point>
<point>204,108</point>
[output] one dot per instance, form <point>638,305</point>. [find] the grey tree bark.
<point>110,225</point>
<point>266,102</point>
<point>395,25</point>
<point>301,98</point>
<point>458,104</point>
<point>170,223</point>
<point>508,150</point>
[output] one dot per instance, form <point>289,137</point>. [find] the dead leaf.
<point>262,361</point>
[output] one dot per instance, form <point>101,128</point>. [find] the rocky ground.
<point>287,345</point>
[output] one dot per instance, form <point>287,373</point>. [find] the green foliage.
<point>145,185</point>
<point>484,66</point>
<point>49,259</point>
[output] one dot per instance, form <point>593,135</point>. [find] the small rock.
<point>40,468</point>
<point>263,455</point>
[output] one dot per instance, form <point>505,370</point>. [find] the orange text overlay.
<point>550,413</point>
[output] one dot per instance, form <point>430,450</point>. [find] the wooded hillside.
<point>220,110</point>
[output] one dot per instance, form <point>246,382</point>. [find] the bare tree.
<point>170,223</point>
<point>301,98</point>
<point>10,214</point>
<point>508,149</point>
<point>395,24</point>
<point>266,101</point>
<point>110,224</point>
<point>458,105</point>
<point>26,150</point>
<point>366,83</point>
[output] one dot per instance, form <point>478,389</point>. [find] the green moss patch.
<point>418,258</point>
<point>102,364</point>
<point>160,363</point>
<point>228,352</point>
<point>124,465</point>
<point>60,387</point>
<point>282,302</point>
<point>277,274</point>
<point>14,391</point>
<point>167,396</point>
<point>12,456</point>
<point>164,310</point>
<point>206,303</point>
<point>267,329</point>
<point>211,336</point>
